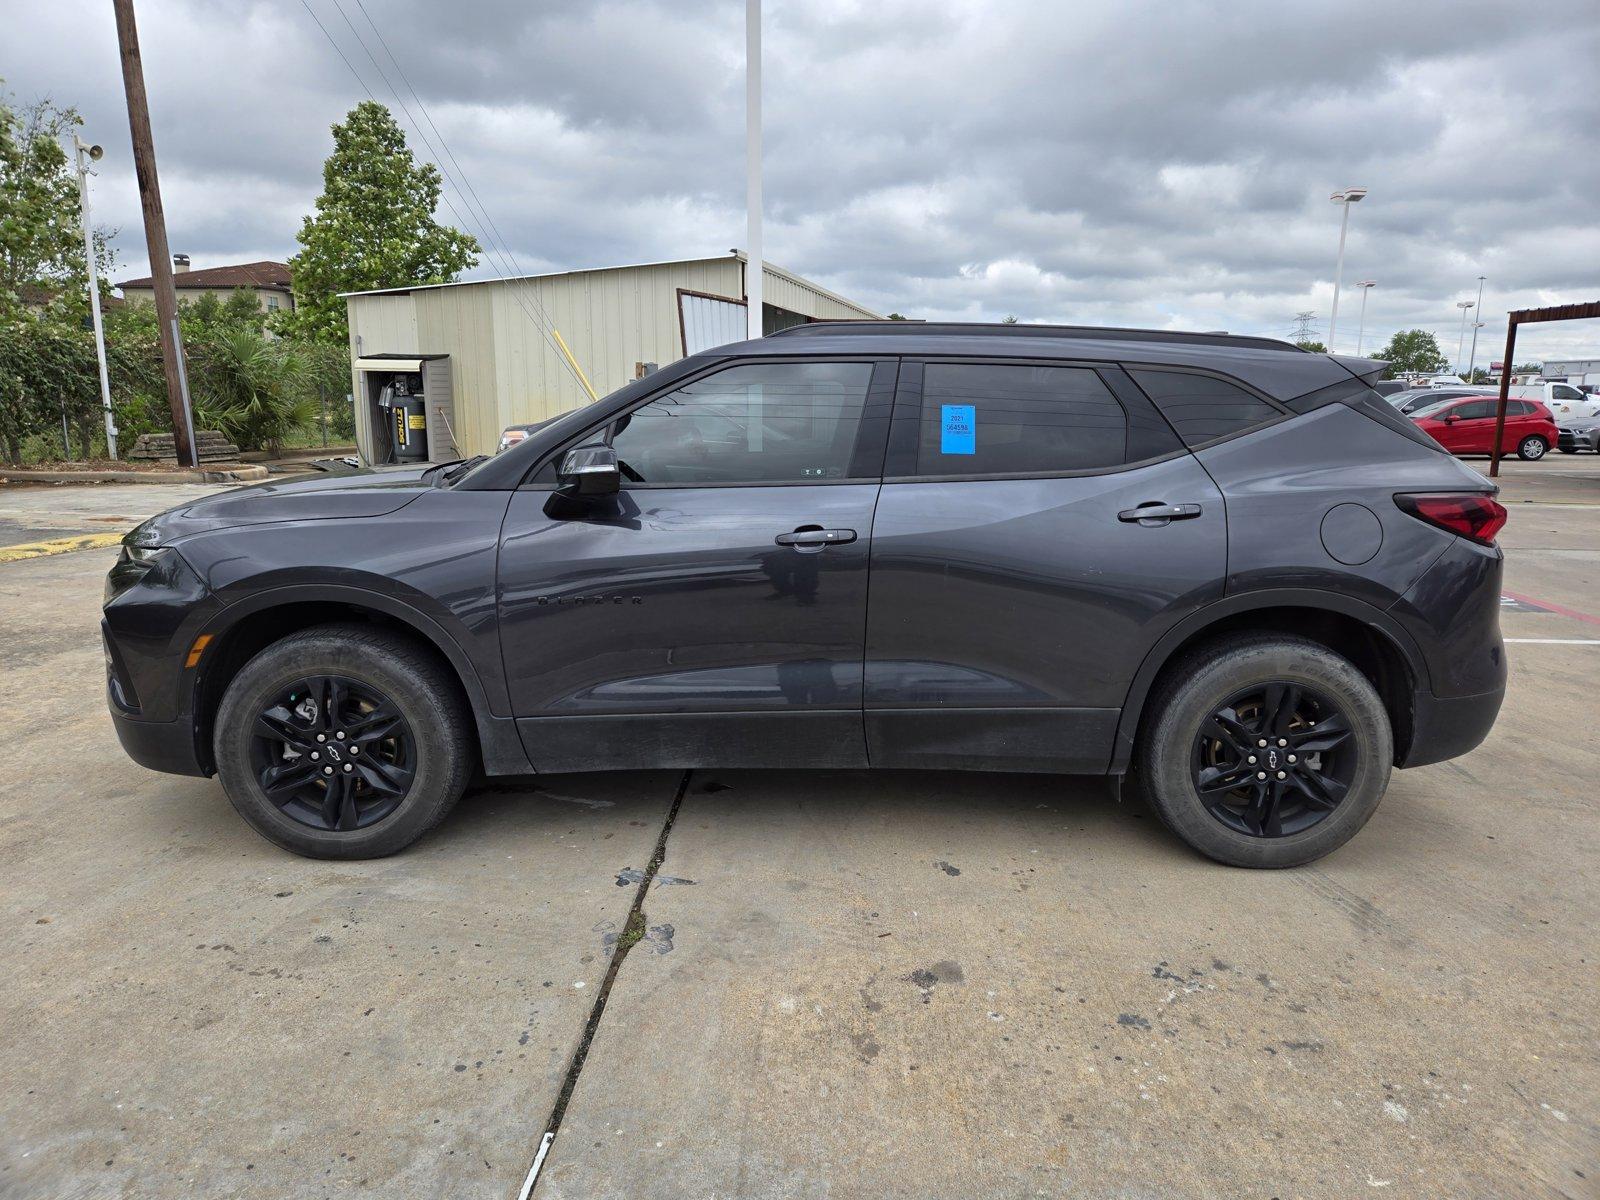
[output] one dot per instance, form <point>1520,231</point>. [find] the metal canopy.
<point>1527,316</point>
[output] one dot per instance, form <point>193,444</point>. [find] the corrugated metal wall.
<point>505,370</point>
<point>709,322</point>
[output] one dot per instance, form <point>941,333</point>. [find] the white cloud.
<point>1156,162</point>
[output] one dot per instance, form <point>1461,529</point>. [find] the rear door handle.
<point>814,536</point>
<point>1156,513</point>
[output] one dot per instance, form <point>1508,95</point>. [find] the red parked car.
<point>1467,426</point>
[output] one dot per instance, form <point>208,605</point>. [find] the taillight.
<point>1473,515</point>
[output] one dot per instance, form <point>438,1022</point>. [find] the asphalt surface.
<point>895,984</point>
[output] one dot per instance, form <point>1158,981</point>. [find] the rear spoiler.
<point>1368,370</point>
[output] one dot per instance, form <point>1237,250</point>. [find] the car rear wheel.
<point>1532,447</point>
<point>1265,751</point>
<point>343,741</point>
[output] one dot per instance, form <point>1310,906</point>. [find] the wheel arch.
<point>248,626</point>
<point>1378,646</point>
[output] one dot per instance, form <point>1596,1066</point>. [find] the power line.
<point>498,257</point>
<point>504,242</point>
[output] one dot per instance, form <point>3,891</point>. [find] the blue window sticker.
<point>958,429</point>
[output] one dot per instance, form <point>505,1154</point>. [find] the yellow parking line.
<point>82,541</point>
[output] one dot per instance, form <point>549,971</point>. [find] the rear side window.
<point>1005,418</point>
<point>1202,408</point>
<point>1516,408</point>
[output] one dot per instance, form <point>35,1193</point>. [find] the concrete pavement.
<point>898,984</point>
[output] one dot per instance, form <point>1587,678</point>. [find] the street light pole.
<point>1361,328</point>
<point>754,267</point>
<point>87,153</point>
<point>1347,197</point>
<point>1472,359</point>
<point>1461,342</point>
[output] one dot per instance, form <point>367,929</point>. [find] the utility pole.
<point>1303,322</point>
<point>155,232</point>
<point>93,153</point>
<point>754,267</point>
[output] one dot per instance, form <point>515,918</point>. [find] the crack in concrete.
<point>634,932</point>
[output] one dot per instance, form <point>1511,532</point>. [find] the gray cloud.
<point>1131,163</point>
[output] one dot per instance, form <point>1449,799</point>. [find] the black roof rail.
<point>984,329</point>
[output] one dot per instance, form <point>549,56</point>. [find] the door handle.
<point>815,536</point>
<point>1155,513</point>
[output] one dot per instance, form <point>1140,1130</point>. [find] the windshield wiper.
<point>454,471</point>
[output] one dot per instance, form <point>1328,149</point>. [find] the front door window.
<point>754,424</point>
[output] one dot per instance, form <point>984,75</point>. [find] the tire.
<point>1532,448</point>
<point>429,748</point>
<point>1172,752</point>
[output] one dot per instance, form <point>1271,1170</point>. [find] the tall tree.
<point>41,242</point>
<point>1413,350</point>
<point>373,228</point>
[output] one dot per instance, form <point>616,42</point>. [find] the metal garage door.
<point>709,321</point>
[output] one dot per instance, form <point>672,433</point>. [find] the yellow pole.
<point>582,378</point>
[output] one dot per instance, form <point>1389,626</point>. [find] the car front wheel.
<point>1532,448</point>
<point>1265,750</point>
<point>343,741</point>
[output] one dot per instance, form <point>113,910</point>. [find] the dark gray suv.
<point>1221,567</point>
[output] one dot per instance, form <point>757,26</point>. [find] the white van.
<point>1562,399</point>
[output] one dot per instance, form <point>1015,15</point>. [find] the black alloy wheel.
<point>333,753</point>
<point>1274,760</point>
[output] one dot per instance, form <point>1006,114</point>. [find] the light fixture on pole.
<point>1461,342</point>
<point>1366,285</point>
<point>1345,198</point>
<point>87,154</point>
<point>754,267</point>
<point>1472,359</point>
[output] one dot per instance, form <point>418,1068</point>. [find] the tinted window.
<point>999,419</point>
<point>1201,408</point>
<point>1516,408</point>
<point>762,423</point>
<point>1472,410</point>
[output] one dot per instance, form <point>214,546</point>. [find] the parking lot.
<point>896,984</point>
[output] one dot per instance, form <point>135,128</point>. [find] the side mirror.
<point>1451,418</point>
<point>591,471</point>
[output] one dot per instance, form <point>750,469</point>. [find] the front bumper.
<point>154,609</point>
<point>160,745</point>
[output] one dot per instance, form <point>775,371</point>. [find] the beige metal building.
<point>482,356</point>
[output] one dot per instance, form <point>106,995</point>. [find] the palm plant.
<point>255,389</point>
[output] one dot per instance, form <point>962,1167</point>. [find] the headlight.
<point>133,564</point>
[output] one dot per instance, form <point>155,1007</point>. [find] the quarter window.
<point>1001,418</point>
<point>1203,408</point>
<point>760,423</point>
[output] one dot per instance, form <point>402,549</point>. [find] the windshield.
<point>1430,410</point>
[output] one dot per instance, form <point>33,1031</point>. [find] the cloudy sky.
<point>1161,164</point>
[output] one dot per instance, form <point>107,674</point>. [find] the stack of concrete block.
<point>161,447</point>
